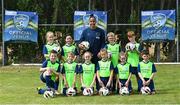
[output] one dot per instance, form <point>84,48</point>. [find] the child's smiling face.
<point>69,40</point>
<point>145,57</point>
<point>104,55</point>
<point>87,56</point>
<point>53,57</point>
<point>50,37</point>
<point>111,39</point>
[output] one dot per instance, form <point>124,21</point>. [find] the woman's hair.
<point>92,16</point>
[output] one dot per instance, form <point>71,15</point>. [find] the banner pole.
<point>177,20</point>
<point>2,25</point>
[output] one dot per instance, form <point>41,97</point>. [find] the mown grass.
<point>18,86</point>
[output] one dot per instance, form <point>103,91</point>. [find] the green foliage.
<point>19,83</point>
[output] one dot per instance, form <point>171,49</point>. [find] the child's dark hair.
<point>144,52</point>
<point>53,51</point>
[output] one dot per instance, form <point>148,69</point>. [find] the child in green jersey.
<point>50,45</point>
<point>68,47</point>
<point>146,71</point>
<point>104,70</point>
<point>124,72</point>
<point>50,72</point>
<point>113,49</point>
<point>69,71</point>
<point>133,54</point>
<point>88,73</point>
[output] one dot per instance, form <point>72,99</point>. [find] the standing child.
<point>132,51</point>
<point>50,73</point>
<point>88,73</point>
<point>104,70</point>
<point>113,49</point>
<point>50,45</point>
<point>124,72</point>
<point>68,47</point>
<point>146,71</point>
<point>69,71</point>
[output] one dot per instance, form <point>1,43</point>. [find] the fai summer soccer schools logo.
<point>158,20</point>
<point>21,21</point>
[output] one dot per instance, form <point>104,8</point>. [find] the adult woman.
<point>95,36</point>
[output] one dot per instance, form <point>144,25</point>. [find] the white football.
<point>145,90</point>
<point>88,91</point>
<point>57,49</point>
<point>70,92</point>
<point>109,55</point>
<point>130,46</point>
<point>48,94</point>
<point>103,91</point>
<point>85,44</point>
<point>124,91</point>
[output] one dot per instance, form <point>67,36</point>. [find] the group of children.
<point>113,71</point>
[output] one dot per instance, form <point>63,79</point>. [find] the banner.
<point>20,26</point>
<point>81,21</point>
<point>158,25</point>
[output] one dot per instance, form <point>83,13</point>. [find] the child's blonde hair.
<point>122,54</point>
<point>49,33</point>
<point>87,52</point>
<point>103,51</point>
<point>70,53</point>
<point>111,34</point>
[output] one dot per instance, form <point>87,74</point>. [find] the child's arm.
<point>65,81</point>
<point>92,84</point>
<point>99,80</point>
<point>82,80</point>
<point>117,81</point>
<point>42,69</point>
<point>74,82</point>
<point>111,75</point>
<point>129,78</point>
<point>110,79</point>
<point>141,77</point>
<point>46,55</point>
<point>151,78</point>
<point>64,77</point>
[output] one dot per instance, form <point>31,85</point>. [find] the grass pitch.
<point>18,86</point>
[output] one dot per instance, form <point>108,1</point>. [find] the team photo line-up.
<point>103,68</point>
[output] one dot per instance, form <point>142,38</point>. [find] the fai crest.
<point>158,20</point>
<point>21,21</point>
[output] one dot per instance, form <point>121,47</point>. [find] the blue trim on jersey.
<point>45,51</point>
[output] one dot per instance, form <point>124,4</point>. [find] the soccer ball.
<point>48,94</point>
<point>88,92</point>
<point>70,92</point>
<point>85,44</point>
<point>109,55</point>
<point>124,91</point>
<point>57,49</point>
<point>145,90</point>
<point>103,91</point>
<point>130,46</point>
